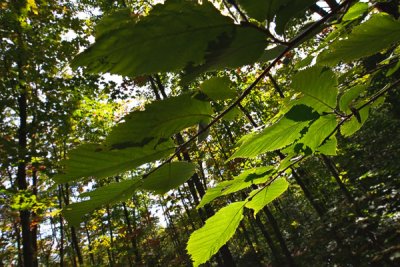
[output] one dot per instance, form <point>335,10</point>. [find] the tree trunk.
<point>268,238</point>
<point>89,245</point>
<point>74,238</point>
<point>130,232</point>
<point>110,232</point>
<point>60,193</point>
<point>224,251</point>
<point>278,234</point>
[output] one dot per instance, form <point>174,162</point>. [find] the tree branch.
<point>291,45</point>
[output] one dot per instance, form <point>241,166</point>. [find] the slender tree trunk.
<point>25,215</point>
<point>92,261</point>
<point>130,232</point>
<point>110,232</point>
<point>110,262</point>
<point>61,251</point>
<point>34,228</point>
<point>335,173</point>
<point>74,237</point>
<point>18,239</point>
<point>249,242</point>
<point>279,236</point>
<point>224,251</point>
<point>182,198</point>
<point>268,238</point>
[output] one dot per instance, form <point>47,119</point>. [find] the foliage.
<point>268,92</point>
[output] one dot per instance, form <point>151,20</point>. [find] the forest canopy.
<point>188,133</point>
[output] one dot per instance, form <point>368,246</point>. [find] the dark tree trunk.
<point>110,232</point>
<point>278,234</point>
<point>74,238</point>
<point>133,239</point>
<point>25,215</point>
<point>61,251</point>
<point>89,245</point>
<point>268,238</point>
<point>224,251</point>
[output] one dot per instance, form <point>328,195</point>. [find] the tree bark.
<point>74,238</point>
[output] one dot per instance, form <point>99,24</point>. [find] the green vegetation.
<point>234,133</point>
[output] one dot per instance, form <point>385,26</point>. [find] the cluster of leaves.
<point>190,39</point>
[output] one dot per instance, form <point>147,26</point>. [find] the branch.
<point>291,45</point>
<point>370,101</point>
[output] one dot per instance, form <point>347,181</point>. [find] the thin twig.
<point>372,99</point>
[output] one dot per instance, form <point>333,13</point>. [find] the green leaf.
<point>304,62</point>
<point>351,94</point>
<point>258,10</point>
<point>259,198</point>
<point>281,134</point>
<point>206,241</point>
<point>329,148</point>
<point>283,10</point>
<point>232,114</point>
<point>171,36</point>
<point>92,160</point>
<point>168,177</point>
<point>116,20</point>
<point>392,70</point>
<point>318,131</point>
<point>353,125</point>
<point>217,88</point>
<point>160,119</point>
<point>309,101</point>
<point>288,10</point>
<point>288,161</point>
<point>272,53</point>
<point>106,195</point>
<point>213,193</point>
<point>245,179</point>
<point>175,35</point>
<point>372,36</point>
<point>319,83</point>
<point>243,46</point>
<point>355,11</point>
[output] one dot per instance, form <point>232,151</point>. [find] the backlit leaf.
<point>92,160</point>
<point>350,95</point>
<point>288,10</point>
<point>355,11</point>
<point>245,179</point>
<point>319,83</point>
<point>160,119</point>
<point>281,134</point>
<point>168,177</point>
<point>175,35</point>
<point>329,148</point>
<point>217,88</point>
<point>213,193</point>
<point>372,36</point>
<point>353,125</point>
<point>106,195</point>
<point>243,46</point>
<point>259,198</point>
<point>218,229</point>
<point>319,131</point>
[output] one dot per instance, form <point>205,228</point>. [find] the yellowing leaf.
<point>31,4</point>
